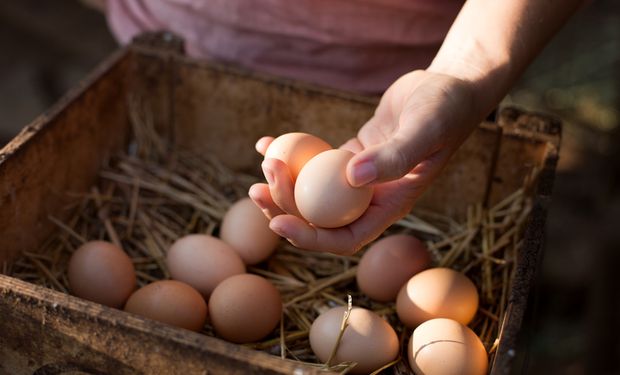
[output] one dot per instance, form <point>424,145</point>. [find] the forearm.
<point>492,42</point>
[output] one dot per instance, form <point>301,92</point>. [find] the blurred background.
<point>49,46</point>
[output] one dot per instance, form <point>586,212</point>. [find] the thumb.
<point>387,161</point>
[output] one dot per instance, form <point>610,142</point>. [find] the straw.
<point>152,194</point>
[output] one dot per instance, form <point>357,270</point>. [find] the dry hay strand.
<point>151,195</point>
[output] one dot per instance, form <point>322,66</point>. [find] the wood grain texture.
<point>526,131</point>
<point>41,327</point>
<point>59,152</point>
<point>214,109</point>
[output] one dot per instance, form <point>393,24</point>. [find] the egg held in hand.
<point>203,262</point>
<point>171,302</point>
<point>389,263</point>
<point>367,339</point>
<point>446,347</point>
<point>295,149</point>
<point>246,229</point>
<point>101,272</point>
<point>323,195</point>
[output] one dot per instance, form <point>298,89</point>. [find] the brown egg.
<point>246,229</point>
<point>245,308</point>
<point>368,339</point>
<point>437,293</point>
<point>446,347</point>
<point>171,302</point>
<point>323,195</point>
<point>387,265</point>
<point>100,271</point>
<point>295,149</point>
<point>203,262</point>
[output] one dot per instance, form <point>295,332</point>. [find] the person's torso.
<point>357,45</point>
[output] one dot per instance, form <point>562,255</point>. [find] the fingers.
<point>259,193</point>
<point>419,115</point>
<point>390,202</point>
<point>262,144</point>
<point>352,145</point>
<point>281,186</point>
<point>394,157</point>
<point>343,241</point>
<point>304,236</point>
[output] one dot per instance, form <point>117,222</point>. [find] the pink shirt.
<point>355,45</point>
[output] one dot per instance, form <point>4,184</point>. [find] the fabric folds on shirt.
<point>354,45</point>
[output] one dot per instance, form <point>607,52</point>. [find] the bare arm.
<point>423,118</point>
<point>492,42</point>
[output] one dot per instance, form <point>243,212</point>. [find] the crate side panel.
<point>149,97</point>
<point>518,162</point>
<point>464,180</point>
<point>226,113</point>
<point>60,152</point>
<point>44,330</point>
<point>538,136</point>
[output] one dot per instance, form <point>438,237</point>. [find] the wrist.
<point>489,76</point>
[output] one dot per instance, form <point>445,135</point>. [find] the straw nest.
<point>150,196</point>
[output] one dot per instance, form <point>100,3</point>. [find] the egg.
<point>101,272</point>
<point>446,347</point>
<point>171,302</point>
<point>323,195</point>
<point>295,149</point>
<point>203,262</point>
<point>245,308</point>
<point>368,339</point>
<point>387,265</point>
<point>437,293</point>
<point>246,229</point>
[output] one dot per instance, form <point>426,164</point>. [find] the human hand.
<point>419,123</point>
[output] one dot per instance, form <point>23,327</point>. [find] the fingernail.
<point>258,202</point>
<point>364,173</point>
<point>268,176</point>
<point>266,213</point>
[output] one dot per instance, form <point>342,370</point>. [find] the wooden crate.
<point>215,109</point>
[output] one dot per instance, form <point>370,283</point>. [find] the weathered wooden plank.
<point>41,328</point>
<point>219,110</point>
<point>59,152</point>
